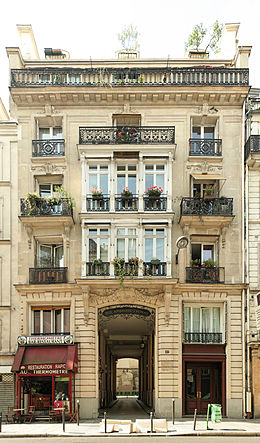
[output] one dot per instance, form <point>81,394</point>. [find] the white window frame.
<point>127,173</point>
<point>51,131</point>
<point>154,174</point>
<point>53,248</point>
<point>52,309</point>
<point>52,193</point>
<point>154,237</point>
<point>126,237</point>
<point>98,172</point>
<point>98,237</point>
<point>215,255</point>
<point>206,306</point>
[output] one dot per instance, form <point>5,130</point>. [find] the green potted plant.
<point>209,192</point>
<point>210,263</point>
<point>155,261</point>
<point>32,201</point>
<point>154,192</point>
<point>119,269</point>
<point>195,263</point>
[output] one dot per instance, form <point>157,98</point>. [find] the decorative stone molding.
<point>48,168</point>
<point>85,298</point>
<point>167,301</point>
<point>206,109</point>
<point>203,167</point>
<point>29,233</point>
<point>223,236</point>
<point>130,295</point>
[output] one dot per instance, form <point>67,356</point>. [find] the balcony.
<point>130,269</point>
<point>209,207</point>
<point>252,151</point>
<point>41,207</point>
<point>47,275</point>
<point>127,77</point>
<point>126,204</point>
<point>126,135</point>
<point>201,274</point>
<point>155,203</point>
<point>205,147</point>
<point>202,337</point>
<point>154,269</point>
<point>48,148</point>
<point>98,269</point>
<point>98,204</point>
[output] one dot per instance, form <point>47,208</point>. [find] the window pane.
<point>159,232</point>
<point>121,231</point>
<point>148,180</point>
<point>59,258</point>
<point>120,248</point>
<point>45,256</point>
<point>148,249</point>
<point>104,183</point>
<point>159,167</point>
<point>66,321</point>
<point>131,247</point>
<point>160,181</point>
<point>36,322</point>
<point>160,248</point>
<point>131,167</point>
<point>196,132</point>
<point>57,321</point>
<point>209,133</point>
<point>120,183</point>
<point>57,132</point>
<point>216,320</point>
<point>45,190</point>
<point>196,252</point>
<point>104,249</point>
<point>195,320</point>
<point>132,183</point>
<point>44,133</point>
<point>92,182</point>
<point>149,167</point>
<point>92,249</point>
<point>205,320</point>
<point>103,231</point>
<point>93,232</point>
<point>121,167</point>
<point>187,319</point>
<point>207,252</point>
<point>148,232</point>
<point>93,167</point>
<point>131,231</point>
<point>46,322</point>
<point>103,168</point>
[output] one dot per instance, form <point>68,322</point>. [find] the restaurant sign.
<point>44,369</point>
<point>45,340</point>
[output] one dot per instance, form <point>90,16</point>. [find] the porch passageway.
<point>127,408</point>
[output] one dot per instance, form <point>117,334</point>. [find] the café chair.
<point>28,418</point>
<point>10,416</point>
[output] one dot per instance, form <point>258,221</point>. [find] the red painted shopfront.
<point>44,375</point>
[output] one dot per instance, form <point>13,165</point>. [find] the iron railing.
<point>48,148</point>
<point>98,203</point>
<point>97,269</point>
<point>63,206</point>
<point>47,275</point>
<point>199,206</point>
<point>126,203</point>
<point>206,147</point>
<point>202,337</point>
<point>133,77</point>
<point>126,135</point>
<point>253,145</point>
<point>154,269</point>
<point>201,274</point>
<point>130,269</point>
<point>155,203</point>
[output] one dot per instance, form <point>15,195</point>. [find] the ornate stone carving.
<point>129,295</point>
<point>85,298</point>
<point>29,233</point>
<point>48,168</point>
<point>206,109</point>
<point>203,167</point>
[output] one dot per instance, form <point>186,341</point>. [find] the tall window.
<point>50,320</point>
<point>154,244</point>
<point>126,177</point>
<point>154,176</point>
<point>202,252</point>
<point>49,256</point>
<point>98,244</point>
<point>98,178</point>
<point>202,319</point>
<point>126,243</point>
<point>50,133</point>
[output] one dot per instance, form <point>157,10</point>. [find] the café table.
<point>59,412</point>
<point>18,413</point>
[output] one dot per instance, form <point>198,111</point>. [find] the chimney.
<point>28,45</point>
<point>228,42</point>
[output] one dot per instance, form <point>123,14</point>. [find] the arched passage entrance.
<point>126,331</point>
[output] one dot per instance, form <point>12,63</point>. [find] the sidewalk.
<point>89,428</point>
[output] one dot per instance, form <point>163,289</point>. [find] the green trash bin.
<point>216,414</point>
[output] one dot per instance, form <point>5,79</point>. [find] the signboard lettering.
<point>45,340</point>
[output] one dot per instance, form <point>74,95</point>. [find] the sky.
<point>89,28</point>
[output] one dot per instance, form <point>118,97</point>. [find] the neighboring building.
<point>9,299</point>
<point>252,180</point>
<point>111,124</point>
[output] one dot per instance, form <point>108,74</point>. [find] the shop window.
<point>155,176</point>
<point>50,320</point>
<point>154,244</point>
<point>50,256</point>
<point>98,244</point>
<point>126,243</point>
<point>61,390</point>
<point>98,178</point>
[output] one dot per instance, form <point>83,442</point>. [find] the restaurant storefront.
<point>45,368</point>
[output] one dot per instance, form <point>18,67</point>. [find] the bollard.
<point>0,421</point>
<point>63,420</point>
<point>78,412</point>
<point>173,411</point>
<point>195,420</point>
<point>151,418</point>
<point>105,418</point>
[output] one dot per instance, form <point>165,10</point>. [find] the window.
<point>98,178</point>
<point>49,256</point>
<point>50,133</point>
<point>126,177</point>
<point>126,243</point>
<point>154,176</point>
<point>154,244</point>
<point>49,190</point>
<point>202,252</point>
<point>98,244</point>
<point>202,319</point>
<point>205,189</point>
<point>203,132</point>
<point>50,320</point>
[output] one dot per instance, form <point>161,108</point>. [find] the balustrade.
<point>98,203</point>
<point>48,148</point>
<point>47,275</point>
<point>205,147</point>
<point>252,145</point>
<point>202,337</point>
<point>212,206</point>
<point>154,269</point>
<point>62,206</point>
<point>97,269</point>
<point>126,203</point>
<point>201,274</point>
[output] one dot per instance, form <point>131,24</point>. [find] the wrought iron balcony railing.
<point>43,208</point>
<point>155,203</point>
<point>126,135</point>
<point>201,274</point>
<point>130,269</point>
<point>253,145</point>
<point>47,275</point>
<point>154,269</point>
<point>48,148</point>
<point>206,147</point>
<point>202,337</point>
<point>97,269</point>
<point>98,203</point>
<point>199,206</point>
<point>133,77</point>
<point>126,203</point>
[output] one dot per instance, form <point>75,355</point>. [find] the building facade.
<point>130,229</point>
<point>252,180</point>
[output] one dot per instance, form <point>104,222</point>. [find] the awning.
<point>207,177</point>
<point>32,355</point>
